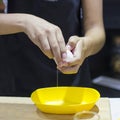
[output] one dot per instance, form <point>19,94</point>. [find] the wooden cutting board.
<point>12,108</point>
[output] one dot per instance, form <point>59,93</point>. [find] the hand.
<point>77,47</point>
<point>46,36</point>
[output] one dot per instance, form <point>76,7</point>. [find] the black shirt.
<point>27,67</point>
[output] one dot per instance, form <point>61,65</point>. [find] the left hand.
<point>77,47</point>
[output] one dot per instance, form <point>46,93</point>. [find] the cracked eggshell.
<point>69,56</point>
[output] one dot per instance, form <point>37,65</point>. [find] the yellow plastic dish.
<point>64,100</point>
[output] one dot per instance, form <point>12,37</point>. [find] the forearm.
<point>95,41</point>
<point>93,26</point>
<point>11,23</point>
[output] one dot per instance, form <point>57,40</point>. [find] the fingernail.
<point>68,47</point>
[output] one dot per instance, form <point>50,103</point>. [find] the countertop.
<point>22,108</point>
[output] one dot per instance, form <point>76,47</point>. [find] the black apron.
<point>28,68</point>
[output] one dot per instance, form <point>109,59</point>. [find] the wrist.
<point>87,47</point>
<point>23,22</point>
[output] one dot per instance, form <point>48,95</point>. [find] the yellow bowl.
<point>64,100</point>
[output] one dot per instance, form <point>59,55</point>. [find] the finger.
<point>61,41</point>
<point>45,47</point>
<point>78,52</point>
<point>72,42</point>
<point>69,70</point>
<point>78,55</point>
<point>54,47</point>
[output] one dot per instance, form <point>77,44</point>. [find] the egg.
<point>69,56</point>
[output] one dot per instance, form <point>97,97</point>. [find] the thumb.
<point>72,42</point>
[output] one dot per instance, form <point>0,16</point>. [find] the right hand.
<point>48,37</point>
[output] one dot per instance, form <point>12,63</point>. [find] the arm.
<point>46,36</point>
<point>93,39</point>
<point>93,26</point>
<point>11,23</point>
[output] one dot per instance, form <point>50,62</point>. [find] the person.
<point>35,37</point>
